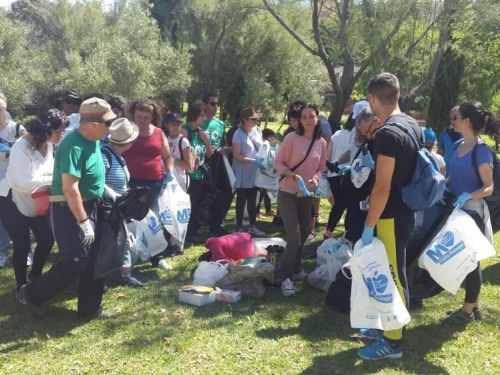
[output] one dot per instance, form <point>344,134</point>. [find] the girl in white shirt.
<point>31,164</point>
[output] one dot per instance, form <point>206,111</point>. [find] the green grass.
<point>273,335</point>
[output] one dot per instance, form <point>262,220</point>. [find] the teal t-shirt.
<point>215,129</point>
<point>200,149</point>
<point>81,158</point>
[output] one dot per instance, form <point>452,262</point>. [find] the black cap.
<point>173,117</point>
<point>68,95</point>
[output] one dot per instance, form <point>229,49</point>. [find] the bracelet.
<point>83,221</point>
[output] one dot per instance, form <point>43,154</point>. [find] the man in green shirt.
<point>215,129</point>
<point>77,183</point>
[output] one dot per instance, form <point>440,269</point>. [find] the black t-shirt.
<point>393,142</point>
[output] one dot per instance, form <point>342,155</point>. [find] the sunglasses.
<point>457,117</point>
<point>72,101</point>
<point>369,128</point>
<point>108,123</point>
<point>214,104</point>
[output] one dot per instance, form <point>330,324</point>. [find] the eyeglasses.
<point>457,117</point>
<point>250,118</point>
<point>369,128</point>
<point>108,123</point>
<point>214,104</point>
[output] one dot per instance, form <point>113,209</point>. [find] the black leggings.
<point>18,226</point>
<point>246,196</point>
<point>474,279</point>
<point>340,202</point>
<point>267,201</point>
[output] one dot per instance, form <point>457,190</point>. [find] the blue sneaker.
<point>371,334</point>
<point>380,350</point>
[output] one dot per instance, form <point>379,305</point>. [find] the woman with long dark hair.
<point>300,160</point>
<point>30,167</point>
<point>471,184</point>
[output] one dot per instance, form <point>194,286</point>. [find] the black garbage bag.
<point>427,225</point>
<point>133,204</point>
<point>338,296</point>
<point>111,239</point>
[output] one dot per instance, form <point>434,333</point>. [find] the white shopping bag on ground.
<point>208,273</point>
<point>455,251</point>
<point>373,273</point>
<point>175,211</point>
<point>149,237</point>
<point>336,255</point>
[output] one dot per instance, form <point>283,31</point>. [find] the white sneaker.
<point>164,264</point>
<point>4,261</point>
<point>287,288</point>
<point>311,236</point>
<point>255,231</point>
<point>29,260</point>
<point>300,276</point>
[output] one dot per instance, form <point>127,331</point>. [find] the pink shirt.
<point>292,151</point>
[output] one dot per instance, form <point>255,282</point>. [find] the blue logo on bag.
<point>166,217</point>
<point>183,215</point>
<point>153,225</point>
<point>376,287</point>
<point>445,250</point>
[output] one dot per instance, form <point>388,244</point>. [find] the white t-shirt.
<point>341,141</point>
<point>8,134</point>
<point>439,160</point>
<point>74,123</point>
<point>175,151</point>
<point>27,171</point>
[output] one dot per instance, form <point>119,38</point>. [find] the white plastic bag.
<point>324,185</point>
<point>375,299</point>
<point>175,210</point>
<point>268,177</point>
<point>455,251</point>
<point>336,254</point>
<point>132,242</point>
<point>208,273</point>
<point>230,173</point>
<point>150,238</point>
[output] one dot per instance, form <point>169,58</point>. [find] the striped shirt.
<point>117,177</point>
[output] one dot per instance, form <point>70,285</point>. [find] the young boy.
<point>430,140</point>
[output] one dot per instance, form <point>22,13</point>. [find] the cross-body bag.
<point>302,161</point>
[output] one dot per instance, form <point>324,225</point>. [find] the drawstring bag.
<point>41,197</point>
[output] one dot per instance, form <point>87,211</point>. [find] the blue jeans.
<point>4,241</point>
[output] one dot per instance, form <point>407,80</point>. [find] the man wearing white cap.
<point>77,184</point>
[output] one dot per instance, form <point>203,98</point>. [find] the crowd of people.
<point>91,147</point>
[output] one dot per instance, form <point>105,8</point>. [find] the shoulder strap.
<point>474,158</point>
<point>360,149</point>
<point>303,160</point>
<point>407,131</point>
<point>18,129</point>
<point>181,138</point>
<point>107,153</point>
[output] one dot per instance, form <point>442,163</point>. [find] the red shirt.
<point>143,159</point>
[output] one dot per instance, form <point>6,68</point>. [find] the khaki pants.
<point>296,214</point>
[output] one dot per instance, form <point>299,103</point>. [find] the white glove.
<point>88,232</point>
<point>110,193</point>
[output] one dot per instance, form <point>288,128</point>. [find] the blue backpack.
<point>427,185</point>
<point>495,196</point>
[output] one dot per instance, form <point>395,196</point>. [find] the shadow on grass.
<point>491,274</point>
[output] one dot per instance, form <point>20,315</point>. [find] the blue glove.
<point>460,201</point>
<point>168,177</point>
<point>367,160</point>
<point>344,170</point>
<point>258,162</point>
<point>367,236</point>
<point>318,192</point>
<point>302,186</point>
